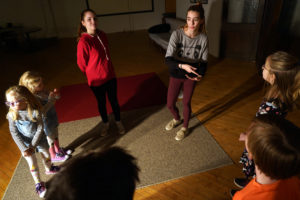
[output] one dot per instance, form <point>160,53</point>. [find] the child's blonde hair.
<point>286,87</point>
<point>31,80</point>
<point>22,92</point>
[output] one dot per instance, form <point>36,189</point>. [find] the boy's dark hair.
<point>111,175</point>
<point>274,143</point>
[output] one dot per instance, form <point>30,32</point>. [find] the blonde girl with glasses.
<point>281,73</point>
<point>26,128</point>
<point>35,84</point>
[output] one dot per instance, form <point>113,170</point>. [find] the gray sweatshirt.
<point>25,132</point>
<point>185,50</point>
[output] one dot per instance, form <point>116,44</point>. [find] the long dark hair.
<point>81,28</point>
<point>199,9</point>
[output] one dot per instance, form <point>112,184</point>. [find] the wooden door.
<point>280,20</point>
<point>170,6</point>
<point>241,23</point>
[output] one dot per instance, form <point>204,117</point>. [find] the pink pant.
<point>175,85</point>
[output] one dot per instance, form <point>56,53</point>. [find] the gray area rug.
<point>160,157</point>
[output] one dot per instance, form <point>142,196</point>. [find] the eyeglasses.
<point>13,104</point>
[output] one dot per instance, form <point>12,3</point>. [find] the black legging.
<point>110,87</point>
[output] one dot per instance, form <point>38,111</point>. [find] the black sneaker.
<point>241,182</point>
<point>232,192</point>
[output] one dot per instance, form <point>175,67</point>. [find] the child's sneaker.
<point>232,192</point>
<point>66,151</point>
<point>53,170</point>
<point>59,157</point>
<point>180,96</point>
<point>241,182</point>
<point>120,127</point>
<point>181,134</point>
<point>63,152</point>
<point>172,124</point>
<point>40,189</point>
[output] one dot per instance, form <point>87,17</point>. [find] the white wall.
<point>61,17</point>
<point>213,20</point>
<point>119,6</point>
<point>133,21</point>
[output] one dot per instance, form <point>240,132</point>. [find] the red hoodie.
<point>93,58</point>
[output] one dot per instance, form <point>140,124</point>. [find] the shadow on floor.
<point>219,106</point>
<point>92,140</point>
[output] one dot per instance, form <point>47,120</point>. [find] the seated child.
<point>274,145</point>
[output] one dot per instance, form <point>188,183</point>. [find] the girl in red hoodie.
<point>94,61</point>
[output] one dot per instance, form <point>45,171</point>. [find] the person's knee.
<point>187,104</point>
<point>170,106</point>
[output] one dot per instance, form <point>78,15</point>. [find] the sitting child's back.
<point>274,145</point>
<point>282,189</point>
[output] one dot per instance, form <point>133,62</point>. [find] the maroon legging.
<point>175,85</point>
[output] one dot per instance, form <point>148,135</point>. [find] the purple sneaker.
<point>53,170</point>
<point>66,151</point>
<point>59,157</point>
<point>40,189</point>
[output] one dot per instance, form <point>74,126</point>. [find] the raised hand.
<point>54,94</point>
<point>242,137</point>
<point>29,152</point>
<point>57,93</point>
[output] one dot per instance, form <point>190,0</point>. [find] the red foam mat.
<point>78,101</point>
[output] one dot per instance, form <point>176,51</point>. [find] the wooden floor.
<point>225,101</point>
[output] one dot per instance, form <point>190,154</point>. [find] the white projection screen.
<point>119,7</point>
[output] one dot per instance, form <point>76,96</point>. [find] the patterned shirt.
<point>267,107</point>
<point>272,107</point>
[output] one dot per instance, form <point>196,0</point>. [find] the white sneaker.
<point>172,124</point>
<point>104,129</point>
<point>180,96</point>
<point>181,134</point>
<point>120,127</point>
